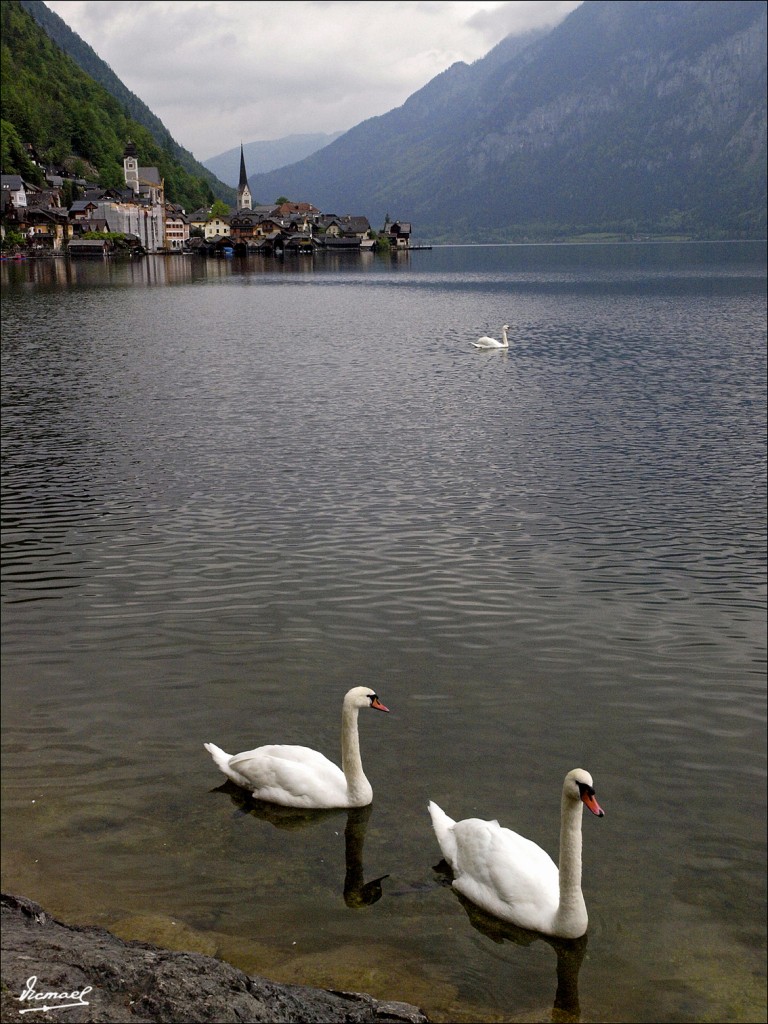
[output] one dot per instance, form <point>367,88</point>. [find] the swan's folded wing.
<point>292,776</point>
<point>505,873</point>
<point>521,868</point>
<point>285,752</point>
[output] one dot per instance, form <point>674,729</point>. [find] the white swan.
<point>513,878</point>
<point>302,777</point>
<point>486,342</point>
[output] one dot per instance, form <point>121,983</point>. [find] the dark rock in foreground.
<point>134,982</point>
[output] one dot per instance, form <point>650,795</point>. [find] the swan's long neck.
<point>505,343</point>
<point>571,915</point>
<point>358,787</point>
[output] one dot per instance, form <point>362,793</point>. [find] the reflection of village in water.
<point>177,270</point>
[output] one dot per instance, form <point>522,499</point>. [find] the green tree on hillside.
<point>131,106</point>
<point>13,155</point>
<point>218,209</point>
<point>78,117</point>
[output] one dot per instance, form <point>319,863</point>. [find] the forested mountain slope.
<point>47,100</point>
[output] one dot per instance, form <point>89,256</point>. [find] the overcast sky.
<point>218,73</point>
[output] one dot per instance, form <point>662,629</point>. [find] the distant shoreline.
<point>578,240</point>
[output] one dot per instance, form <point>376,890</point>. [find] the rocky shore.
<point>91,975</point>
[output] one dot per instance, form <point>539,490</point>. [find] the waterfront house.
<point>219,245</point>
<point>89,247</point>
<point>398,232</point>
<point>250,229</point>
<point>216,227</point>
<point>36,213</point>
<point>245,228</point>
<point>343,232</point>
<point>47,228</point>
<point>345,226</point>
<point>298,242</point>
<point>176,228</point>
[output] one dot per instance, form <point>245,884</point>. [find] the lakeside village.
<point>137,220</point>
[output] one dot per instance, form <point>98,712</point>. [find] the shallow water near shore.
<point>233,489</point>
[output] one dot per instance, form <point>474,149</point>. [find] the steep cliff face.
<point>670,123</point>
<point>641,116</point>
<point>661,91</point>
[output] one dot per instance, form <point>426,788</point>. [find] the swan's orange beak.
<point>588,799</point>
<point>376,703</point>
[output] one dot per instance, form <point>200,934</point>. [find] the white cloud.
<point>217,72</point>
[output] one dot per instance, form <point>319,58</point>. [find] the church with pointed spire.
<point>244,201</point>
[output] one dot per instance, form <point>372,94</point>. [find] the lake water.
<point>234,489</point>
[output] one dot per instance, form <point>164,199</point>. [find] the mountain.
<point>629,116</point>
<point>265,156</point>
<point>88,60</point>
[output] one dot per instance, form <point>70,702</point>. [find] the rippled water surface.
<point>232,490</point>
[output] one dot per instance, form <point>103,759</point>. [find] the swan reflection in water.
<point>570,952</point>
<point>357,892</point>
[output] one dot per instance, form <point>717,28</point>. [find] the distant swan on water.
<point>486,342</point>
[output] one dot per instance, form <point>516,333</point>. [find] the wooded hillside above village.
<point>47,101</point>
